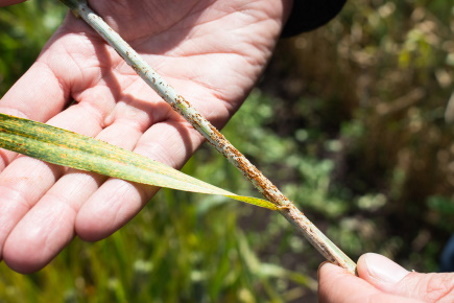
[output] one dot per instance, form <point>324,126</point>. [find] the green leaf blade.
<point>66,148</point>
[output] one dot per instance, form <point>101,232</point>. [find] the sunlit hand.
<point>211,52</point>
<point>382,281</point>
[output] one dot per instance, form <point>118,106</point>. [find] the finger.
<point>18,188</point>
<point>336,285</point>
<point>10,2</point>
<point>117,201</point>
<point>433,287</point>
<point>37,95</point>
<point>391,277</point>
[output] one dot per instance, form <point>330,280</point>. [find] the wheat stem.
<point>324,245</point>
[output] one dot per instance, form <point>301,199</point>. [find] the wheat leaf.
<point>66,148</point>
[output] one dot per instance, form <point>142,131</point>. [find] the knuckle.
<point>439,288</point>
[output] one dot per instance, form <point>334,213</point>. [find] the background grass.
<point>351,121</point>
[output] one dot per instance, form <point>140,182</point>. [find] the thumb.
<point>393,278</point>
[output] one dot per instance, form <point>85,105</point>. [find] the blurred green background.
<point>354,122</point>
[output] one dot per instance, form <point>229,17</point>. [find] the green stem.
<point>325,246</point>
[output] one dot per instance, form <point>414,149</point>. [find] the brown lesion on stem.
<point>218,140</point>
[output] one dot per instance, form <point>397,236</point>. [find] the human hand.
<point>212,52</point>
<point>382,280</point>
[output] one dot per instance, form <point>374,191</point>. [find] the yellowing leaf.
<point>62,147</point>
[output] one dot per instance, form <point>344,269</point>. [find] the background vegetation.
<point>353,121</point>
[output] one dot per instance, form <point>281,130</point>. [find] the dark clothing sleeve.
<point>307,15</point>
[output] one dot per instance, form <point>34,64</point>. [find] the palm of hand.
<point>211,51</point>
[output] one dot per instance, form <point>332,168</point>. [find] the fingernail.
<point>383,269</point>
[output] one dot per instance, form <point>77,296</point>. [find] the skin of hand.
<point>381,281</point>
<point>211,52</point>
